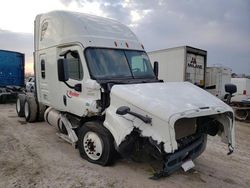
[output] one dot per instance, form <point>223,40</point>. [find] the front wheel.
<point>95,143</point>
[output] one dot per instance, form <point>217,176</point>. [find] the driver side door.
<point>72,89</point>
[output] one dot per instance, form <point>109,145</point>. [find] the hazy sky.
<point>222,27</point>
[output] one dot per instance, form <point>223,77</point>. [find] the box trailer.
<point>94,81</point>
<point>11,73</point>
<point>180,64</point>
<point>216,79</point>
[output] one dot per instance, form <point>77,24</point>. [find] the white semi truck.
<point>94,81</point>
<point>216,79</point>
<point>179,64</point>
<point>243,89</point>
<point>240,101</point>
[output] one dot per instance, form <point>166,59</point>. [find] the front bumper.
<point>174,161</point>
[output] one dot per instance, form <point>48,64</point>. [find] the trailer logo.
<point>71,94</point>
<point>194,64</point>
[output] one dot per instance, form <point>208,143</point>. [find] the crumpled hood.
<point>165,100</point>
<point>165,103</point>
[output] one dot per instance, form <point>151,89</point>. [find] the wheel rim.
<point>18,105</point>
<point>93,145</point>
<point>26,109</point>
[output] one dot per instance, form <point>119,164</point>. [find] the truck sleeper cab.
<point>98,87</point>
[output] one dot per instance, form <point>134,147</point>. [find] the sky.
<point>221,27</point>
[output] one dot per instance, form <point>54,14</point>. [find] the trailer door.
<point>195,69</point>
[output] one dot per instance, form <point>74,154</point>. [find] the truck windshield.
<point>118,64</point>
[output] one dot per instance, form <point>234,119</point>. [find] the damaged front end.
<point>174,161</point>
<point>168,131</point>
<point>191,137</point>
<point>145,149</point>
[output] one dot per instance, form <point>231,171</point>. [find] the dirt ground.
<point>31,155</point>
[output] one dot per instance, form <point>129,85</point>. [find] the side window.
<point>43,68</point>
<point>74,65</point>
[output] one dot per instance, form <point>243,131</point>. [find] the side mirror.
<point>62,69</point>
<point>230,88</point>
<point>123,110</point>
<point>78,87</point>
<point>156,69</point>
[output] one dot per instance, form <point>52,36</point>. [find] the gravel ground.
<point>31,155</point>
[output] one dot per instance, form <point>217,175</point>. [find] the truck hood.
<point>167,100</point>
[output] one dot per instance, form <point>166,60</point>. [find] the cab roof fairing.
<point>62,27</point>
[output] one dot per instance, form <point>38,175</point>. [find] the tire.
<point>41,111</point>
<point>30,109</point>
<point>241,115</point>
<point>95,143</point>
<point>3,99</point>
<point>20,105</point>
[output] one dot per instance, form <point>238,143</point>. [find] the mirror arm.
<point>156,69</point>
<point>74,87</point>
<point>62,54</point>
<point>123,110</point>
<point>71,87</point>
<point>145,119</point>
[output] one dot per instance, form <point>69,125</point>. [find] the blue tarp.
<point>11,68</point>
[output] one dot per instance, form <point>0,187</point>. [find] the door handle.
<point>64,100</point>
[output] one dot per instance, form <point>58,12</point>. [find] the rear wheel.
<point>20,105</point>
<point>30,109</point>
<point>41,111</point>
<point>3,99</point>
<point>95,143</point>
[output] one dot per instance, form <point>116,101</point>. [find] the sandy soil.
<point>31,155</point>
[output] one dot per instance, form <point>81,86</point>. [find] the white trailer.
<point>181,64</point>
<point>98,87</point>
<point>216,79</point>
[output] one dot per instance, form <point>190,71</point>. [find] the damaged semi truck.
<point>95,82</point>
